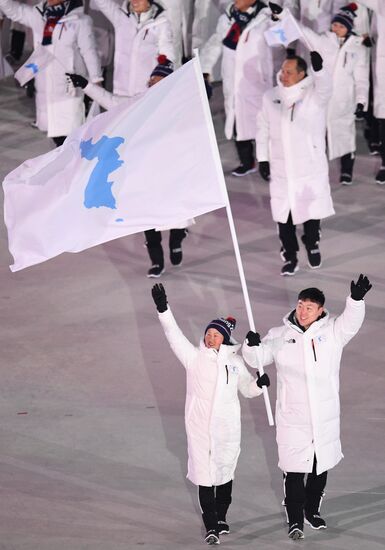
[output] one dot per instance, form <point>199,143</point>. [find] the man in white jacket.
<point>66,32</point>
<point>307,353</point>
<point>215,374</point>
<point>291,129</point>
<point>247,72</point>
<point>143,40</point>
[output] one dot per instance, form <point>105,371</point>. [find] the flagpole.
<point>218,164</point>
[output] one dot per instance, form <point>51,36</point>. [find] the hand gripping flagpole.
<point>221,178</point>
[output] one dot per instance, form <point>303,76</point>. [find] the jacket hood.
<point>290,321</point>
<point>224,350</point>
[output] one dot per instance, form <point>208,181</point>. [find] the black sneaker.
<point>296,531</point>
<point>374,149</point>
<point>223,528</point>
<point>243,170</point>
<point>346,179</point>
<point>155,271</point>
<point>314,257</point>
<point>212,537</point>
<point>315,521</point>
<point>176,256</point>
<point>380,177</point>
<point>289,268</point>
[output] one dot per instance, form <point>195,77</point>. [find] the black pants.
<point>154,244</point>
<point>59,140</point>
<point>347,164</point>
<point>214,503</point>
<point>303,498</point>
<point>245,150</point>
<point>288,237</point>
<point>381,122</point>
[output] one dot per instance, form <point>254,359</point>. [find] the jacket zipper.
<point>227,374</point>
<point>313,347</point>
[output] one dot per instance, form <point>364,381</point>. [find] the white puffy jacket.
<point>378,31</point>
<point>73,45</point>
<point>247,71</point>
<point>308,407</point>
<point>291,129</point>
<point>139,40</point>
<point>349,65</point>
<point>212,411</point>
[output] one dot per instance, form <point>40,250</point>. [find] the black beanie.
<point>224,326</point>
<point>346,16</point>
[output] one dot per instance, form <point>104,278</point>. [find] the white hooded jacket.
<point>308,408</point>
<point>139,40</point>
<point>73,45</point>
<point>212,411</point>
<point>291,129</point>
<point>247,71</point>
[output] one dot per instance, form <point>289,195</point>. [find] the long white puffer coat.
<point>349,65</point>
<point>212,411</point>
<point>308,407</point>
<point>57,111</point>
<point>73,44</point>
<point>378,31</point>
<point>247,71</point>
<point>291,129</point>
<point>139,40</point>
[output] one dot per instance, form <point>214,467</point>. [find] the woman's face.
<point>213,339</point>
<point>340,30</point>
<point>140,6</point>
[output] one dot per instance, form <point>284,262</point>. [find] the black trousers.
<point>214,503</point>
<point>301,498</point>
<point>347,164</point>
<point>245,150</point>
<point>154,244</point>
<point>288,237</point>
<point>59,140</point>
<point>381,122</point>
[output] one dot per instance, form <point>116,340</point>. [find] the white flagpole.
<point>215,152</point>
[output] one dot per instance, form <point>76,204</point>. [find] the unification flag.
<point>138,166</point>
<point>284,32</point>
<point>37,61</point>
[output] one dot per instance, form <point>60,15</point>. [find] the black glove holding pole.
<point>316,61</point>
<point>77,80</point>
<point>275,10</point>
<point>360,288</point>
<point>263,380</point>
<point>159,297</point>
<point>253,338</point>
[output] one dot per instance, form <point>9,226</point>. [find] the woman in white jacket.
<point>378,30</point>
<point>247,72</point>
<point>215,374</point>
<point>307,352</point>
<point>67,33</point>
<point>347,60</point>
<point>143,38</point>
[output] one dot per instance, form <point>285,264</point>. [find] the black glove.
<point>78,80</point>
<point>360,288</point>
<point>264,169</point>
<point>368,42</point>
<point>275,10</point>
<point>159,297</point>
<point>316,61</point>
<point>253,338</point>
<point>359,111</point>
<point>209,88</point>
<point>263,380</point>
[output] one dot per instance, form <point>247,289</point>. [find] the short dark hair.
<point>301,63</point>
<point>312,294</point>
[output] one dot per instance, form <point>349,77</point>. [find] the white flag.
<point>284,32</point>
<point>37,61</point>
<point>133,168</point>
